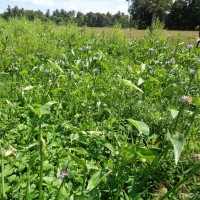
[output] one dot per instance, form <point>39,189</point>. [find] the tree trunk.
<point>152,21</point>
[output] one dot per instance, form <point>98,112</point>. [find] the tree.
<point>153,6</point>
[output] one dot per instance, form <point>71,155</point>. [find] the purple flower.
<point>186,99</point>
<point>151,49</point>
<point>95,70</point>
<point>190,46</point>
<point>87,48</point>
<point>192,71</point>
<point>117,69</point>
<point>170,62</point>
<point>47,71</point>
<point>128,68</point>
<point>63,173</point>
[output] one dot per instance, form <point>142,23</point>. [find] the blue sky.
<point>103,6</point>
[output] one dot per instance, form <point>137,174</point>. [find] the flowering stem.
<point>41,161</point>
<point>2,173</point>
<point>61,185</point>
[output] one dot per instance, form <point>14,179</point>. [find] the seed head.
<point>197,156</point>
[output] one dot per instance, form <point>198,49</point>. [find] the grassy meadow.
<point>88,114</point>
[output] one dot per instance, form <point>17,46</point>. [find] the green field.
<point>88,114</point>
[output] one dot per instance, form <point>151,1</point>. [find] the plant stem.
<point>61,185</point>
<point>41,161</point>
<point>2,173</point>
<point>27,185</point>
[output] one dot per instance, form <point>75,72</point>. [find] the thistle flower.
<point>192,71</point>
<point>87,48</point>
<point>95,70</point>
<point>63,173</point>
<point>47,71</point>
<point>190,46</point>
<point>117,69</point>
<point>186,99</point>
<point>151,49</point>
<point>128,68</point>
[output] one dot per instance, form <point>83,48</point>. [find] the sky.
<point>102,6</point>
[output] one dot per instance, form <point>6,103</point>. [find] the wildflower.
<point>95,70</point>
<point>197,156</point>
<point>87,48</point>
<point>186,99</point>
<point>190,46</point>
<point>192,71</point>
<point>151,49</point>
<point>170,62</point>
<point>117,69</point>
<point>63,173</point>
<point>128,68</point>
<point>62,62</point>
<point>47,71</point>
<point>80,49</point>
<point>70,72</point>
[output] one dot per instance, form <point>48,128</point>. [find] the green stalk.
<point>27,185</point>
<point>193,170</point>
<point>2,173</point>
<point>84,179</point>
<point>41,161</point>
<point>61,185</point>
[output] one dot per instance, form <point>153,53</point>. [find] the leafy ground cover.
<point>93,116</point>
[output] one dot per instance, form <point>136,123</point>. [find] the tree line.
<point>177,15</point>
<point>63,17</point>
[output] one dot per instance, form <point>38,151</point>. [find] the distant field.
<point>190,36</point>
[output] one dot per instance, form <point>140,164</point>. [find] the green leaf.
<point>174,113</point>
<point>131,85</point>
<point>141,126</point>
<point>178,144</point>
<point>78,160</point>
<point>141,81</point>
<point>144,153</point>
<point>30,87</point>
<point>110,147</point>
<point>94,180</point>
<point>55,66</point>
<point>43,110</point>
<point>79,150</point>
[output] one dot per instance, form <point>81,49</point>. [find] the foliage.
<point>87,116</point>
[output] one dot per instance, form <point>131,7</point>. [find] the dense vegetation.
<point>179,15</point>
<point>87,116</point>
